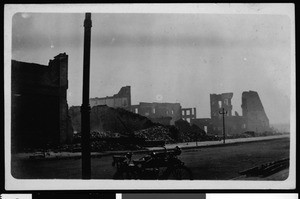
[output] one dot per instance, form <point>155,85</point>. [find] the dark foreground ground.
<point>207,163</point>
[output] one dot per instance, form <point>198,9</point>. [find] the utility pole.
<point>85,107</point>
<point>223,112</point>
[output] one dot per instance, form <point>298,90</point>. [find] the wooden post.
<point>85,107</point>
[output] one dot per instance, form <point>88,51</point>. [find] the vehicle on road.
<point>156,165</point>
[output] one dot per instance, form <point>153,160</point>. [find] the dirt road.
<point>208,163</point>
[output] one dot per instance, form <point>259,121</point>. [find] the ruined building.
<point>120,100</point>
<point>254,113</point>
<point>204,124</point>
<point>39,104</point>
<point>254,117</point>
<point>188,114</point>
<point>164,113</point>
<point>234,124</point>
<point>217,102</point>
<point>108,119</point>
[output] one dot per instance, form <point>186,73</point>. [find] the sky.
<point>167,57</point>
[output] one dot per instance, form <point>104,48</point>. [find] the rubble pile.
<point>189,133</point>
<point>156,133</point>
<point>94,136</point>
<point>101,141</point>
<point>105,119</point>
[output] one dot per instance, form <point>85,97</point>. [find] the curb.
<point>108,153</point>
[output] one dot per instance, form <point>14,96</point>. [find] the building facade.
<point>163,113</point>
<point>159,112</point>
<point>204,124</point>
<point>254,112</point>
<point>39,104</point>
<point>233,124</point>
<point>188,114</point>
<point>253,117</point>
<point>120,100</point>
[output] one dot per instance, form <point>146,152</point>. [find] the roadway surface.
<point>207,162</point>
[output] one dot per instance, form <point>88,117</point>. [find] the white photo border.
<point>54,184</point>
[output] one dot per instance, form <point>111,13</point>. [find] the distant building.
<point>163,113</point>
<point>120,100</point>
<point>39,104</point>
<point>217,102</point>
<point>159,112</point>
<point>233,124</point>
<point>254,117</point>
<point>254,112</point>
<point>188,114</point>
<point>164,120</point>
<point>204,124</point>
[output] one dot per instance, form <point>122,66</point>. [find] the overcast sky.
<point>168,57</point>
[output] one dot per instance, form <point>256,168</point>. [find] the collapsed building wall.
<point>39,103</point>
<point>217,102</point>
<point>233,124</point>
<point>162,120</point>
<point>188,132</point>
<point>108,119</point>
<point>120,100</point>
<point>203,123</point>
<point>188,114</point>
<point>254,117</point>
<point>159,112</point>
<point>254,113</point>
